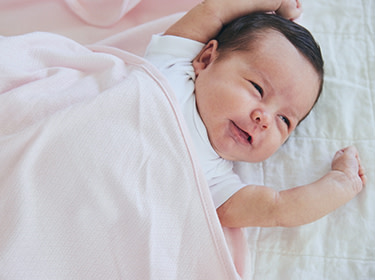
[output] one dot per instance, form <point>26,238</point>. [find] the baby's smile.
<point>241,135</point>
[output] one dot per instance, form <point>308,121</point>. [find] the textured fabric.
<point>101,12</point>
<point>18,17</point>
<point>97,177</point>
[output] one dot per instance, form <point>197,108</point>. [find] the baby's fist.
<point>347,161</point>
<point>290,9</point>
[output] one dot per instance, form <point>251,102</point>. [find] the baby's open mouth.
<point>249,138</point>
<point>244,134</point>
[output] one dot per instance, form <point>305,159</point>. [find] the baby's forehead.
<point>267,36</point>
<point>264,42</point>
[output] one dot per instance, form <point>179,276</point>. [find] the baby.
<point>242,94</point>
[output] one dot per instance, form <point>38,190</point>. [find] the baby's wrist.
<point>213,11</point>
<point>347,179</point>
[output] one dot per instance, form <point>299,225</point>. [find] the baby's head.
<point>242,33</point>
<point>255,83</point>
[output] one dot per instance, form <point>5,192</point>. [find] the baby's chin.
<point>250,156</point>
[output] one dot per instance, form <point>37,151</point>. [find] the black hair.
<point>242,32</point>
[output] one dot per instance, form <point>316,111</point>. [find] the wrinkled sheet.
<point>98,180</point>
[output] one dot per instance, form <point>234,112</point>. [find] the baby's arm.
<point>204,21</point>
<point>265,207</point>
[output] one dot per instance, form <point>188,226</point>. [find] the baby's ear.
<point>207,55</point>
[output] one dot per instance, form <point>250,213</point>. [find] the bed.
<point>99,179</point>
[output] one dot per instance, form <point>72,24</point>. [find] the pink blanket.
<point>98,176</point>
<point>85,21</point>
<point>101,12</point>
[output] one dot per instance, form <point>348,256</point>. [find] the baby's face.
<point>251,101</point>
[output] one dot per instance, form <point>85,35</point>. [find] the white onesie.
<point>173,56</point>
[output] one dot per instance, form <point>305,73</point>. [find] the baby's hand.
<point>347,161</point>
<point>290,9</point>
<point>227,10</point>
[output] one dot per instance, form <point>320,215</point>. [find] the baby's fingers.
<point>361,172</point>
<point>350,155</point>
<point>346,160</point>
<point>290,9</point>
<point>350,151</point>
<point>361,169</point>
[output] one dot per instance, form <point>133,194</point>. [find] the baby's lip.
<point>244,133</point>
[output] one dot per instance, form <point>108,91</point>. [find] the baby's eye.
<point>258,88</point>
<point>285,120</point>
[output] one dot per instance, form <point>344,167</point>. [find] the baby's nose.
<point>261,118</point>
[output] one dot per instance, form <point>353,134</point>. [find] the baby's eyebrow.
<point>264,81</point>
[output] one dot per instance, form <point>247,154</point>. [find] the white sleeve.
<point>173,57</point>
<point>164,48</point>
<point>226,184</point>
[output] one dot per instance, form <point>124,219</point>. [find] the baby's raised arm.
<point>204,21</point>
<point>263,206</point>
